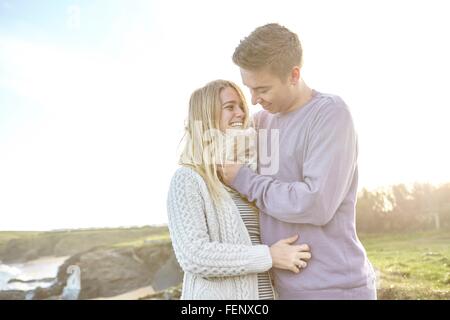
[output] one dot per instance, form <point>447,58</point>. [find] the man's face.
<point>268,90</point>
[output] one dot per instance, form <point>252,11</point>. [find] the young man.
<point>312,191</point>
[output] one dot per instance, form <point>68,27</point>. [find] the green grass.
<point>411,266</point>
<point>5,236</point>
<point>69,242</point>
<point>142,241</point>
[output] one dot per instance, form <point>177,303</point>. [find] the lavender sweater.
<point>312,193</point>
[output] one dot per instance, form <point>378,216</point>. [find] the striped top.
<point>250,217</point>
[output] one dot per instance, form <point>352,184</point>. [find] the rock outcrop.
<point>110,271</point>
<point>13,295</point>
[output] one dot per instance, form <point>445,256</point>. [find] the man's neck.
<point>304,94</point>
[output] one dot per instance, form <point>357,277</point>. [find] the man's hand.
<point>228,172</point>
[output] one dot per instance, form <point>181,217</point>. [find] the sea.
<point>31,274</point>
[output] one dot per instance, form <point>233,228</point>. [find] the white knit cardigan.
<point>211,243</point>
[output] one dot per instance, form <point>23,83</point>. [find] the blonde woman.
<point>215,231</point>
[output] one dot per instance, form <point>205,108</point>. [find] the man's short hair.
<point>270,46</point>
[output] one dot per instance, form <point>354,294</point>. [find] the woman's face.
<point>232,114</point>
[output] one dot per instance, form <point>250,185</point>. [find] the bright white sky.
<point>93,95</point>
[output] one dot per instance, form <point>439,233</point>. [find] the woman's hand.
<point>228,172</point>
<point>287,256</point>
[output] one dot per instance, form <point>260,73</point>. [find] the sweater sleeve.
<point>329,166</point>
<point>194,249</point>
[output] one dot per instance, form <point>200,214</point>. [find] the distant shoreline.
<point>161,225</point>
<point>31,274</point>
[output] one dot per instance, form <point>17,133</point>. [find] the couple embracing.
<point>246,228</point>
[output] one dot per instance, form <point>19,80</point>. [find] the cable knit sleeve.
<point>194,249</point>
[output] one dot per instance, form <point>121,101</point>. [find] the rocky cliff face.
<point>13,295</point>
<point>111,261</point>
<point>107,272</point>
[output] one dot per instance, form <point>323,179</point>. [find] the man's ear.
<point>295,75</point>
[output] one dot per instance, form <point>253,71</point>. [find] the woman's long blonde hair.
<point>202,150</point>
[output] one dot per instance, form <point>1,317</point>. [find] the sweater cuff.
<point>260,258</point>
<point>241,182</point>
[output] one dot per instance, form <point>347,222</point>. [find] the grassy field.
<point>163,236</point>
<point>5,236</point>
<point>411,266</point>
<point>31,245</point>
